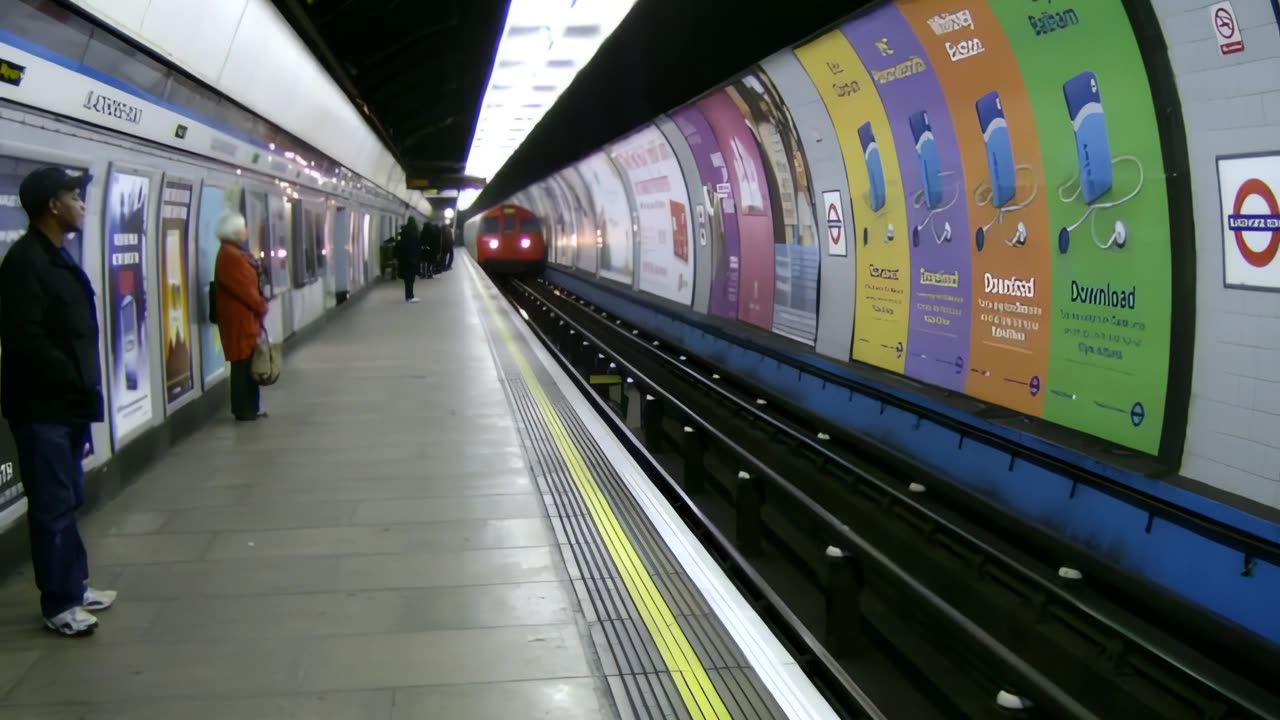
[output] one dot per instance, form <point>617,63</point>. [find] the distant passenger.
<point>430,248</point>
<point>241,309</point>
<point>51,391</point>
<point>448,249</point>
<point>407,255</point>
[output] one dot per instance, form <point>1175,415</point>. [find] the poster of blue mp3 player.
<point>875,170</point>
<point>927,152</point>
<point>1084,106</point>
<point>995,135</point>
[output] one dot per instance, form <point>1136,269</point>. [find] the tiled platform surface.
<point>376,549</point>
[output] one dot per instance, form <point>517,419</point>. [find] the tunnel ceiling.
<point>420,70</point>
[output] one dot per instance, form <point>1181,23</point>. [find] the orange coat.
<point>240,304</point>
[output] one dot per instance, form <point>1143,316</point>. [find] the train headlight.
<point>525,243</point>
<point>493,244</point>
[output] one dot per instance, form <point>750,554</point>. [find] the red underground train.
<point>510,241</point>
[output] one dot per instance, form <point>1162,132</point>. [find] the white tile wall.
<point>1231,105</point>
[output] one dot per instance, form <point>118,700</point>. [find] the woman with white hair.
<point>241,309</point>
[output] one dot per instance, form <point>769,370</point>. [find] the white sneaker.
<point>414,301</point>
<point>75,622</point>
<point>99,599</point>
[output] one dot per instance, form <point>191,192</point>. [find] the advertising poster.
<point>175,298</point>
<point>795,231</point>
<point>126,251</point>
<point>565,229</point>
<point>662,200</point>
<point>1108,219</point>
<point>933,184</point>
<point>1250,221</point>
<point>1005,197</point>
<point>278,254</point>
<point>722,216</point>
<point>875,186</point>
<point>612,217</point>
<point>581,207</point>
<point>212,201</point>
<point>750,193</point>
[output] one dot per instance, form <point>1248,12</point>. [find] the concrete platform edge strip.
<point>794,693</point>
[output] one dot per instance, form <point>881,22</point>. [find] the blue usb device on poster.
<point>875,171</point>
<point>1084,105</point>
<point>995,132</point>
<point>927,151</point>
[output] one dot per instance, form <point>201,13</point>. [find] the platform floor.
<point>378,548</point>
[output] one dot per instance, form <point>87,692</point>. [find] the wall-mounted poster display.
<point>175,295</point>
<point>1012,233</point>
<point>612,217</point>
<point>662,202</point>
<point>128,194</point>
<point>1007,268</point>
<point>213,200</point>
<point>795,231</point>
<point>1108,233</point>
<point>1008,214</point>
<point>883,282</point>
<point>1250,221</point>
<point>13,224</point>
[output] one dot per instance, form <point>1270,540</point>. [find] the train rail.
<point>897,603</point>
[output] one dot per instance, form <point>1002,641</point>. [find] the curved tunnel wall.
<point>904,191</point>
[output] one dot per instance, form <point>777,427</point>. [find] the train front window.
<point>508,223</point>
<point>489,226</point>
<point>530,225</point>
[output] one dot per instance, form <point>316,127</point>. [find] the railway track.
<point>896,602</point>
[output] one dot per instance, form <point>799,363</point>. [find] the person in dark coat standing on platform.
<point>241,309</point>
<point>51,391</point>
<point>408,253</point>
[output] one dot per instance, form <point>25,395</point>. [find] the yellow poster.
<point>881,239</point>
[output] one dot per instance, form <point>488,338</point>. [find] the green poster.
<point>1108,229</point>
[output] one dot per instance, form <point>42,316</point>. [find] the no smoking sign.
<point>1226,29</point>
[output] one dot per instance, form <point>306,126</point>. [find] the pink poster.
<point>751,194</point>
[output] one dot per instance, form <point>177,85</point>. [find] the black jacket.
<point>49,367</point>
<point>408,250</point>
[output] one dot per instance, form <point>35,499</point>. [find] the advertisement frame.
<point>120,437</point>
<point>1222,220</point>
<point>185,265</point>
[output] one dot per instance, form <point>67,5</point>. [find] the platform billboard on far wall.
<point>175,229</point>
<point>128,194</point>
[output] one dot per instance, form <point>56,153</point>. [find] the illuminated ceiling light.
<point>543,47</point>
<point>466,197</point>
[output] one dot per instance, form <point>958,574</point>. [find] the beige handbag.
<point>267,361</point>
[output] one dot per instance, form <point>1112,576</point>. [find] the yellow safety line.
<point>698,692</point>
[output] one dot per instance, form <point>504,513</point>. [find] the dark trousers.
<point>448,258</point>
<point>408,285</point>
<point>49,456</point>
<point>245,401</point>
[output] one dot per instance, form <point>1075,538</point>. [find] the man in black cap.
<point>51,390</point>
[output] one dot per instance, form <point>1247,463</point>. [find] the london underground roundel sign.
<point>1251,217</point>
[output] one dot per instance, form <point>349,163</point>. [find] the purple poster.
<point>750,196</point>
<point>933,180</point>
<point>722,222</point>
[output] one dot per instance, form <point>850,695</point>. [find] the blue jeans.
<point>49,456</point>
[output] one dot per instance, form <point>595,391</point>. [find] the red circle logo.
<point>1263,257</point>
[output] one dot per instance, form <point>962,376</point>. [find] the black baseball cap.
<point>42,185</point>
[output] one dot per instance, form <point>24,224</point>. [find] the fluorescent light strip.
<point>543,47</point>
